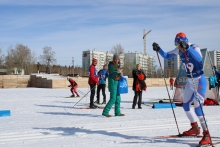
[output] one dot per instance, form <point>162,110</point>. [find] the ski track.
<point>46,120</point>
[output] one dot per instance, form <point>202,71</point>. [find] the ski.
<point>182,136</point>
<point>87,108</point>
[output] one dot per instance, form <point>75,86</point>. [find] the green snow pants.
<point>115,98</point>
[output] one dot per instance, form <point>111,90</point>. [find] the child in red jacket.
<point>73,86</point>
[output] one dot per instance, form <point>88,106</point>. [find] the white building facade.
<point>215,56</point>
<point>146,61</point>
<point>102,57</point>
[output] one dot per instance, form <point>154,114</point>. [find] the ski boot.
<point>206,139</point>
<point>96,102</point>
<point>77,96</point>
<point>72,95</point>
<point>93,106</point>
<point>194,131</point>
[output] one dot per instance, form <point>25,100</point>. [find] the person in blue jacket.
<point>191,58</point>
<point>217,73</point>
<point>103,74</point>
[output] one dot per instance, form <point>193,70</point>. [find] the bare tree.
<point>117,49</point>
<point>2,58</point>
<point>21,58</point>
<point>48,58</point>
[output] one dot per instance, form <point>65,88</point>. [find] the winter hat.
<point>180,36</point>
<point>115,56</point>
<point>94,60</point>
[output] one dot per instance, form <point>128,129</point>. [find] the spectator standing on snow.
<point>93,80</point>
<point>103,74</point>
<point>217,73</point>
<point>73,86</point>
<point>138,85</point>
<point>191,58</point>
<point>171,83</point>
<point>113,78</point>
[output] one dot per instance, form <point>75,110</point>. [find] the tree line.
<point>20,58</point>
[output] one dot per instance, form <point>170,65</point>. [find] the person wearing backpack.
<point>191,58</point>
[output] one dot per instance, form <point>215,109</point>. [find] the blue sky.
<point>72,26</point>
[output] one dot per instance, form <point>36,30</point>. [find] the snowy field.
<point>44,118</point>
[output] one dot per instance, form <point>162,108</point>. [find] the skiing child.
<point>191,57</point>
<point>73,86</point>
<point>171,83</point>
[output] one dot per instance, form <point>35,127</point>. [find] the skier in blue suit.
<point>191,58</point>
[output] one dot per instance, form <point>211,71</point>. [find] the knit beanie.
<point>115,56</point>
<point>180,36</point>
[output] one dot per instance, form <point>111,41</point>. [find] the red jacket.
<point>93,75</point>
<point>171,80</point>
<point>72,82</point>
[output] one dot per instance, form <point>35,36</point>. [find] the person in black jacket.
<point>139,85</point>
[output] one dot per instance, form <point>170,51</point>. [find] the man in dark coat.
<point>138,85</point>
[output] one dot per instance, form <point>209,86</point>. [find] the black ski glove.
<point>184,45</point>
<point>156,47</point>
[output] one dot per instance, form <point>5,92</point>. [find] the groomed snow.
<point>44,118</point>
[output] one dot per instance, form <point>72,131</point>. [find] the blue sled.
<point>163,105</point>
<point>5,113</point>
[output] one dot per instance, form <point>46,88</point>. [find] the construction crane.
<point>144,37</point>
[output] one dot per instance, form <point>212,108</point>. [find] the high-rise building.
<point>215,56</point>
<point>146,61</point>
<point>102,57</point>
<point>171,66</point>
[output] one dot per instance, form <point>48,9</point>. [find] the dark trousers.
<point>101,87</point>
<point>171,86</point>
<point>137,94</point>
<point>92,93</point>
<point>218,89</point>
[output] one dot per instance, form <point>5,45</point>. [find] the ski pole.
<point>196,93</point>
<point>83,96</point>
<point>168,95</point>
<point>79,91</point>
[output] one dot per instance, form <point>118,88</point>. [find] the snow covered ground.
<point>44,118</point>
